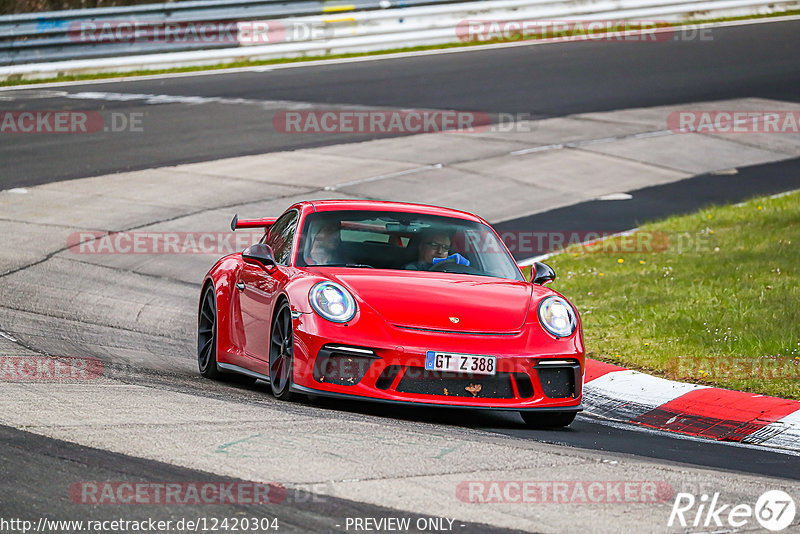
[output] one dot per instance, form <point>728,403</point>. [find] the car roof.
<point>382,205</point>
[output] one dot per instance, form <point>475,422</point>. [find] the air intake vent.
<point>345,366</point>
<point>559,379</point>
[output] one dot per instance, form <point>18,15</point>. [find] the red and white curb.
<point>620,394</point>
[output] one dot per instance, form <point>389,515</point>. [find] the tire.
<point>207,335</point>
<point>548,419</point>
<point>281,353</point>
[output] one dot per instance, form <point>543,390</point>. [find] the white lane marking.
<point>616,196</point>
<point>596,141</point>
<point>191,100</point>
<point>385,57</point>
<point>776,195</point>
<point>785,193</point>
<point>33,94</point>
<point>655,133</point>
<point>8,336</point>
<point>543,148</point>
<point>639,388</point>
<point>18,191</point>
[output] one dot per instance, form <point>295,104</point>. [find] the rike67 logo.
<point>774,511</point>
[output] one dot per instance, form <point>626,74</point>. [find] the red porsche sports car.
<point>391,302</point>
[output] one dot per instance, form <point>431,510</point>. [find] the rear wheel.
<point>281,353</point>
<point>207,343</point>
<point>207,335</point>
<point>548,419</point>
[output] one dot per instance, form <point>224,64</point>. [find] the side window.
<point>281,236</point>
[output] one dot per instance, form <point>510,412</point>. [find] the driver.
<point>324,246</point>
<point>434,247</point>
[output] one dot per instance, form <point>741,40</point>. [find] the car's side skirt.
<point>241,370</point>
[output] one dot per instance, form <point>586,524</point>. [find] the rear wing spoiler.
<point>263,222</point>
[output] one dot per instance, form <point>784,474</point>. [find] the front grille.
<point>337,365</point>
<point>559,381</point>
<point>424,382</point>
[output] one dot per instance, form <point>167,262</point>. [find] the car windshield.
<point>403,241</point>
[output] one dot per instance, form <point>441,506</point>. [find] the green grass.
<point>714,299</point>
<point>15,81</point>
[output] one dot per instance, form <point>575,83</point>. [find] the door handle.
<point>240,286</point>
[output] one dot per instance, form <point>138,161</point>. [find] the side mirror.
<point>259,254</point>
<point>542,274</point>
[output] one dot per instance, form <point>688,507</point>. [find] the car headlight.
<point>557,316</point>
<point>332,302</point>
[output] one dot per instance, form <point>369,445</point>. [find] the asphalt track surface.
<point>30,463</point>
<point>38,472</point>
<point>544,81</point>
<point>539,81</point>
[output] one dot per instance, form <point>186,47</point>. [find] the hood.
<point>430,300</point>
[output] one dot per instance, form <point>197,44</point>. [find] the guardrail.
<point>77,33</point>
<point>204,32</point>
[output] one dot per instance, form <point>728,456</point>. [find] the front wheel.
<point>281,353</point>
<point>548,419</point>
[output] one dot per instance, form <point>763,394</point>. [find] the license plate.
<point>460,363</point>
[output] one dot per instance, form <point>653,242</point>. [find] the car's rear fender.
<point>230,330</point>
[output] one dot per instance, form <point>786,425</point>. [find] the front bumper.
<point>390,367</point>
